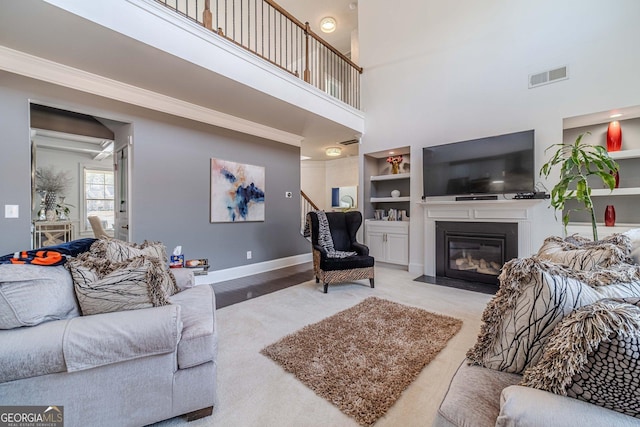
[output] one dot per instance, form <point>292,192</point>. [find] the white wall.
<point>313,181</point>
<point>342,172</point>
<point>319,177</point>
<point>439,72</point>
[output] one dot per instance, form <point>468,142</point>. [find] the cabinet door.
<point>397,248</point>
<point>375,241</point>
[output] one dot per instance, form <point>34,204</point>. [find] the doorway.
<point>77,150</point>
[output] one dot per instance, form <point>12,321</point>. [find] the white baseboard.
<point>416,268</point>
<point>257,268</point>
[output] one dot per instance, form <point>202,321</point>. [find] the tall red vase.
<point>614,136</point>
<point>609,216</point>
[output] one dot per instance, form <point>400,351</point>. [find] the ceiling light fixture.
<point>328,25</point>
<point>613,116</point>
<point>333,151</point>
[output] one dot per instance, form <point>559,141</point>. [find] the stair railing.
<point>264,28</point>
<point>306,206</point>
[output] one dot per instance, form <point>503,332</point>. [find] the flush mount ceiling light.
<point>333,151</point>
<point>328,24</point>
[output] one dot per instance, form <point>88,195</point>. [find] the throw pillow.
<point>634,236</point>
<point>119,250</point>
<point>32,294</point>
<point>593,355</point>
<point>534,296</point>
<point>583,254</point>
<point>103,286</point>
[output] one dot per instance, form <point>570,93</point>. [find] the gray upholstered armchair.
<point>337,256</point>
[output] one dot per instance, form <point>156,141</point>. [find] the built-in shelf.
<point>625,154</point>
<point>632,191</point>
<point>584,229</point>
<point>390,199</point>
<point>391,177</point>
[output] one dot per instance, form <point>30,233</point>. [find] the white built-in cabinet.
<point>626,198</point>
<point>388,241</point>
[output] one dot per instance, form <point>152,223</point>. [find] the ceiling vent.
<point>349,142</point>
<point>547,77</point>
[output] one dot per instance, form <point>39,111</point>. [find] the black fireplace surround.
<point>474,251</point>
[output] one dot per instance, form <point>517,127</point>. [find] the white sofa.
<point>127,368</point>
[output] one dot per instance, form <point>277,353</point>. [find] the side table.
<point>49,233</point>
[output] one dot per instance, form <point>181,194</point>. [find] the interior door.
<point>122,169</point>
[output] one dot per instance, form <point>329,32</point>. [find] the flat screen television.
<point>494,165</point>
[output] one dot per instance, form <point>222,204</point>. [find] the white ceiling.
<point>40,29</point>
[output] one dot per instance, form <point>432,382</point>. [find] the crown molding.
<point>52,72</point>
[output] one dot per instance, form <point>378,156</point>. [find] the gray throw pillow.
<point>103,286</point>
<point>32,294</point>
<point>594,356</point>
<point>534,296</point>
<point>584,254</point>
<point>119,250</point>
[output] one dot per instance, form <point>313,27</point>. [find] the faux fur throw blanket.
<point>326,241</point>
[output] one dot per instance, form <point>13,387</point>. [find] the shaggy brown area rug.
<point>361,359</point>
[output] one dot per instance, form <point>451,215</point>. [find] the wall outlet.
<point>248,254</point>
<point>11,211</point>
<point>288,194</point>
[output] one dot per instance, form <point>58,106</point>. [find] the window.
<point>98,197</point>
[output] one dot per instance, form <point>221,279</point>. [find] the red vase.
<point>614,136</point>
<point>610,216</point>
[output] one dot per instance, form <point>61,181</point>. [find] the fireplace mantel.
<point>509,210</point>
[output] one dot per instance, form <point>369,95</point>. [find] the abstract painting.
<point>237,192</point>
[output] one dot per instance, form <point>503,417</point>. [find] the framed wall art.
<point>237,192</point>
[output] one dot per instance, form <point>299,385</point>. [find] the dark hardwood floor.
<point>244,288</point>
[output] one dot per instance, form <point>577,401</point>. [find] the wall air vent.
<point>547,77</point>
<point>349,142</point>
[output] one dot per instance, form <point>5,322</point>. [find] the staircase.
<point>306,206</point>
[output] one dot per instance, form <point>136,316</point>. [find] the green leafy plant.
<point>577,162</point>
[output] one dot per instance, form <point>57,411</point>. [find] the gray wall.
<point>170,178</point>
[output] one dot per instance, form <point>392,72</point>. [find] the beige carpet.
<point>363,358</point>
<point>253,391</point>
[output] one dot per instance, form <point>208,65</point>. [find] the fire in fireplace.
<point>474,251</point>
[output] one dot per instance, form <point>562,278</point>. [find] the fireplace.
<point>474,251</point>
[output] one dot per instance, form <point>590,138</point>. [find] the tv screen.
<point>493,165</point>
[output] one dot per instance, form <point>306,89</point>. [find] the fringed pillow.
<point>103,286</point>
<point>119,250</point>
<point>583,254</point>
<point>534,296</point>
<point>594,356</point>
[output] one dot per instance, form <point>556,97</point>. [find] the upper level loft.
<point>147,54</point>
<point>264,28</point>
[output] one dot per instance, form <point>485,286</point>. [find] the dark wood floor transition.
<point>244,288</point>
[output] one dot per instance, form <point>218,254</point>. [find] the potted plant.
<point>51,184</point>
<point>577,162</point>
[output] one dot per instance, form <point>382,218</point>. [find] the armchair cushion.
<point>356,261</point>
